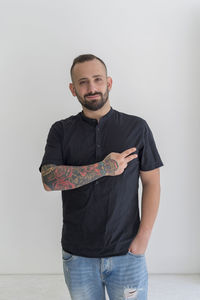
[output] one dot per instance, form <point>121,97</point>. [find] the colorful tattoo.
<point>70,177</point>
<point>110,165</point>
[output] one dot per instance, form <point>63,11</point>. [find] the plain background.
<point>151,49</point>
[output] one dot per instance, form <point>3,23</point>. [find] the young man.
<point>96,159</point>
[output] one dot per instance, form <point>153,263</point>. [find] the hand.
<point>139,244</point>
<point>115,163</point>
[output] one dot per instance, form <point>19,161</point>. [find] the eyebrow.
<point>92,76</point>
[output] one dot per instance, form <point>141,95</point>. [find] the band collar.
<point>94,121</point>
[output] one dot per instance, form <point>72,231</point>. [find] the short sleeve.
<point>53,149</point>
<point>148,155</point>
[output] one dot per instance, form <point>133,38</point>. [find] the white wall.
<point>151,49</point>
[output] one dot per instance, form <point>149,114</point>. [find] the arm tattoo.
<point>110,165</point>
<point>70,177</point>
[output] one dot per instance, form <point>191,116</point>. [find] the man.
<point>96,159</point>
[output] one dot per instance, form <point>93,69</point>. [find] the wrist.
<point>144,233</point>
<point>109,166</point>
<point>103,168</point>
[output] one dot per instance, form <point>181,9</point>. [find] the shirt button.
<point>96,182</point>
<point>98,145</point>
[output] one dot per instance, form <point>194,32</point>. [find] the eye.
<point>98,78</point>
<point>82,82</point>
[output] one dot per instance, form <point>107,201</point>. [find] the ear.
<point>72,89</point>
<point>109,83</point>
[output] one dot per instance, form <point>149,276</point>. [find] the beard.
<point>94,104</point>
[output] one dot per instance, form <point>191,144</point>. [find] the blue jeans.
<point>125,277</point>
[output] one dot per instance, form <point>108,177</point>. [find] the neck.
<point>98,113</point>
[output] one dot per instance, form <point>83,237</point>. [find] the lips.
<point>93,97</point>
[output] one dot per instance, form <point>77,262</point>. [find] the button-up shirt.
<point>101,218</point>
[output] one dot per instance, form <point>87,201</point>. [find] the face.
<point>90,84</point>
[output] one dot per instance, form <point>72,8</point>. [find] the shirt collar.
<point>94,121</point>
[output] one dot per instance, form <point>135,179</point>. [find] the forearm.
<point>149,209</point>
<point>63,177</point>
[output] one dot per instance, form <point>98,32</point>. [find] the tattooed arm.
<point>59,178</point>
<point>56,178</point>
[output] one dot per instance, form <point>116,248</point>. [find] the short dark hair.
<point>83,58</point>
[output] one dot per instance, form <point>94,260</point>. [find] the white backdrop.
<point>151,49</point>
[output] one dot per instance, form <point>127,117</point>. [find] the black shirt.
<point>101,218</point>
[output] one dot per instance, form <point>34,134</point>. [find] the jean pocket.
<point>135,255</point>
<point>66,256</point>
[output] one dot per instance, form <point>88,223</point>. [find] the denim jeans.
<point>125,277</point>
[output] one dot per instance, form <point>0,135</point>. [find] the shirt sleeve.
<point>149,157</point>
<point>53,149</point>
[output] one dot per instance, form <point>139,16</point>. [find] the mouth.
<point>93,97</point>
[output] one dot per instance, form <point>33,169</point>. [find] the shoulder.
<point>65,123</point>
<point>133,119</point>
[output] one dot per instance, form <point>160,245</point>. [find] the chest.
<point>87,145</point>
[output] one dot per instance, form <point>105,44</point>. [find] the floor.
<point>52,287</point>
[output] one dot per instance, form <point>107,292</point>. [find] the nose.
<point>91,88</point>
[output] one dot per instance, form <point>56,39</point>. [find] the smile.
<point>93,97</point>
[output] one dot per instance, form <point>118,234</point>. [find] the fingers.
<point>131,157</point>
<point>127,152</point>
